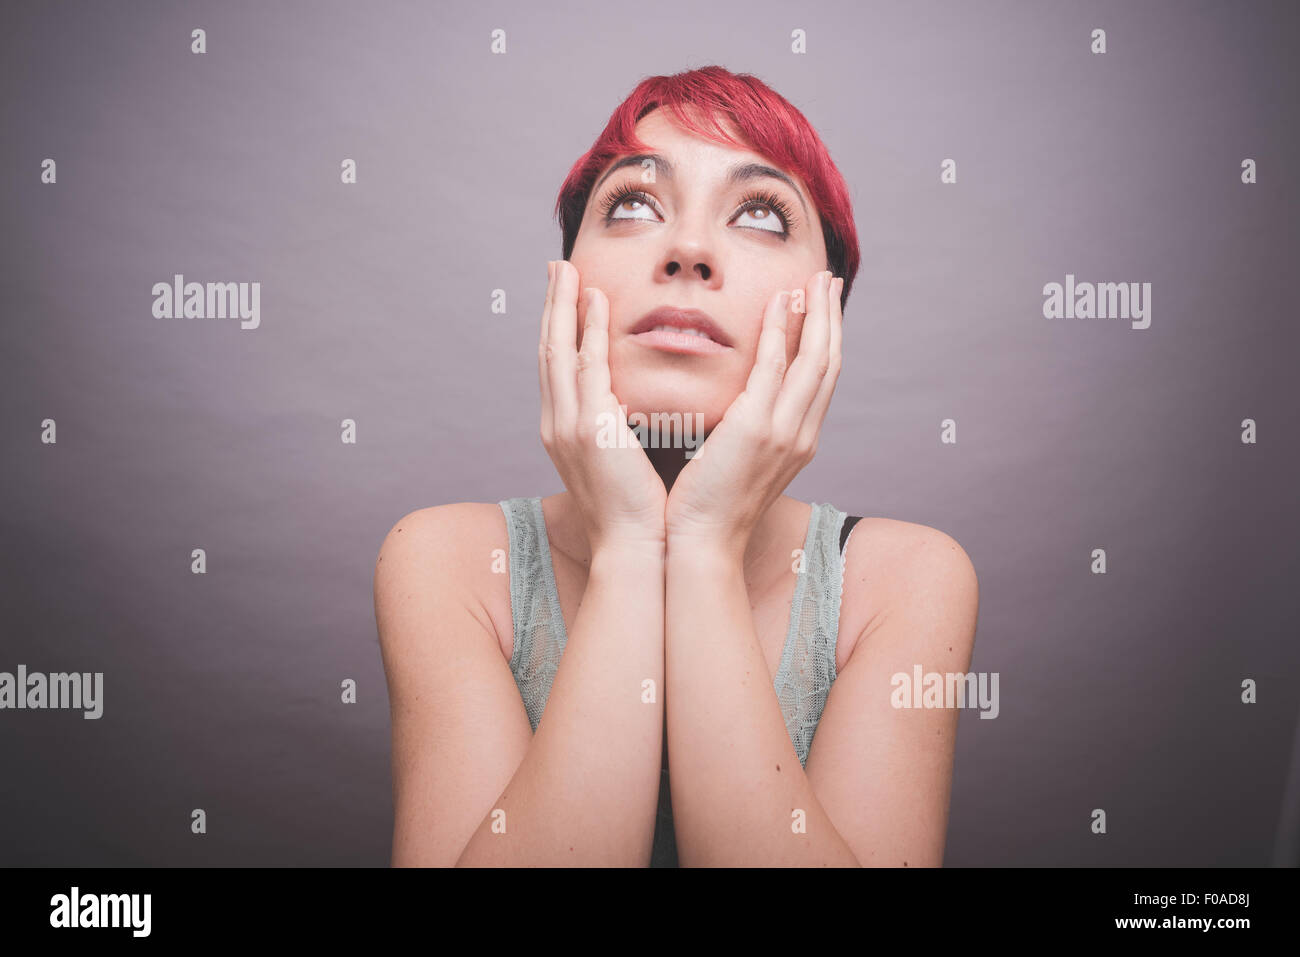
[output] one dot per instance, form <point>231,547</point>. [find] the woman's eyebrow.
<point>659,165</point>
<point>739,173</point>
<point>748,171</point>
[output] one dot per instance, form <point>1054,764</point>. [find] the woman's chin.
<point>672,412</point>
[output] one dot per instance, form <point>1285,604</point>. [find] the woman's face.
<point>693,239</point>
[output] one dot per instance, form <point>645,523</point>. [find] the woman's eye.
<point>764,218</point>
<point>632,205</point>
<point>762,215</point>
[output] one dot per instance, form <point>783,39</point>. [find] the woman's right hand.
<point>619,494</point>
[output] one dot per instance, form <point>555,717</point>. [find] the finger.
<point>561,344</point>
<point>809,367</point>
<point>543,376</point>
<point>769,360</point>
<point>581,314</point>
<point>812,422</point>
<point>593,357</point>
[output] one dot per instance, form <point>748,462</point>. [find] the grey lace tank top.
<point>802,681</point>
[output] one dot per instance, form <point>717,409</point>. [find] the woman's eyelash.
<point>755,200</point>
<point>775,202</point>
<point>622,195</point>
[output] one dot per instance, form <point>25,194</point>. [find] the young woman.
<point>550,659</point>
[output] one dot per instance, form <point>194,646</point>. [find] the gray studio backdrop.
<point>222,691</point>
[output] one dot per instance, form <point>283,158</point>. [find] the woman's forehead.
<point>660,129</point>
<point>675,151</point>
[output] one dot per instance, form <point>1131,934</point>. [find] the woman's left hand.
<point>769,433</point>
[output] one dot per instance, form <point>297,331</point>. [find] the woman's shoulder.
<point>460,545</point>
<point>890,549</point>
<point>895,535</point>
<point>891,564</point>
<point>455,527</point>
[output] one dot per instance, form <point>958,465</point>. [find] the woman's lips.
<point>680,341</point>
<point>685,331</point>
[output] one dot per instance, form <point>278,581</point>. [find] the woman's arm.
<point>739,793</point>
<point>884,773</point>
<point>472,784</point>
<point>584,788</point>
<point>878,779</point>
<point>740,796</point>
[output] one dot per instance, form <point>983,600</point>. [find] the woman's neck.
<point>668,463</point>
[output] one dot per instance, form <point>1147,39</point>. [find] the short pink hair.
<point>771,127</point>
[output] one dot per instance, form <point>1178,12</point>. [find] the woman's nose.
<point>700,266</point>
